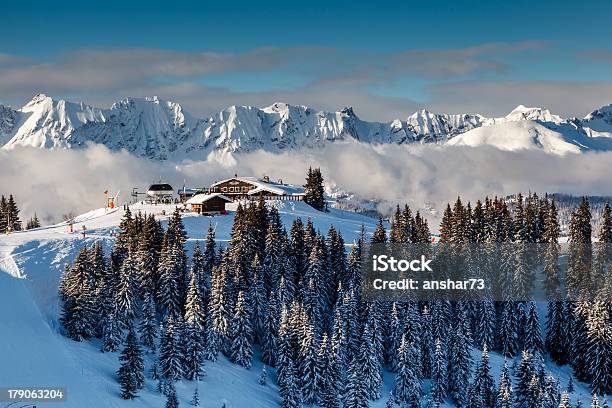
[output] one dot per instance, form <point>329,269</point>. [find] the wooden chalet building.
<point>240,188</point>
<point>208,204</point>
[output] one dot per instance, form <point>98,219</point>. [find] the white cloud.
<point>55,182</point>
<point>326,78</point>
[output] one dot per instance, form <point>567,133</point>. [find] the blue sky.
<point>384,58</point>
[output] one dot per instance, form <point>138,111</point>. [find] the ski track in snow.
<point>35,353</point>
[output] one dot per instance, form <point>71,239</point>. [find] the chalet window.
<point>224,189</point>
<point>245,189</point>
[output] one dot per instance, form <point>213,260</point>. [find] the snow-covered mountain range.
<point>163,130</point>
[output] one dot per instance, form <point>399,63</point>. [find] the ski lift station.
<point>160,193</point>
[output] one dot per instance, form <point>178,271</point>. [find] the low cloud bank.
<point>53,183</point>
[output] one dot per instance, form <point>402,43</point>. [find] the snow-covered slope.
<point>534,129</point>
<point>599,122</point>
<point>34,353</point>
<point>159,129</point>
<point>522,112</point>
<point>433,127</point>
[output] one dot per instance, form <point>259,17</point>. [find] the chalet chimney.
<point>280,181</point>
<point>266,179</point>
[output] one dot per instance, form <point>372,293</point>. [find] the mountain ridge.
<point>159,129</point>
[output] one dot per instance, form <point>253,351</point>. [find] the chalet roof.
<point>262,185</point>
<point>202,198</point>
<point>161,187</point>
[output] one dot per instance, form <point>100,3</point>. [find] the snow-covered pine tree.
<point>369,360</point>
<point>131,371</point>
<point>407,223</point>
<point>3,217</point>
<point>170,353</point>
<point>565,400</point>
<point>555,322</point>
<point>284,356</point>
<point>439,377</point>
<point>313,285</point>
<point>532,340</point>
<point>126,231</point>
<point>297,248</point>
<point>288,387</point>
<point>460,222</point>
<point>486,323</point>
<point>259,301</point>
<point>337,265</point>
<point>446,225</point>
<point>328,367</point>
<point>147,257</point>
<point>127,291</point>
<point>263,377</point>
<point>395,337</point>
<point>580,311</point>
<point>241,333</point>
<point>595,402</point>
<point>460,361</point>
<point>169,278</point>
<point>550,392</point>
<point>12,215</point>
<point>507,330</point>
<point>524,373</point>
<point>195,320</point>
<point>218,314</point>
<point>171,399</point>
<point>76,293</point>
<point>274,251</point>
<point>477,227</point>
<point>210,252</point>
<point>310,377</point>
<point>504,392</point>
<point>356,394</point>
<point>338,342</point>
<point>33,222</point>
<point>551,257</point>
<point>602,265</point>
<point>441,312</point>
<point>407,385</point>
<point>380,235</point>
<point>240,250</point>
<point>195,399</point>
<point>483,387</point>
<point>426,343</point>
<point>599,347</point>
<point>534,394</point>
<point>148,323</point>
<point>523,276</point>
<point>270,332</point>
<point>314,192</point>
<point>397,232</point>
<point>99,276</point>
<point>111,332</point>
